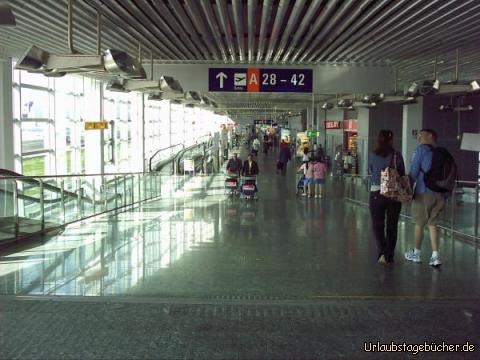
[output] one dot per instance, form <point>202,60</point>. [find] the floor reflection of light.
<point>111,254</point>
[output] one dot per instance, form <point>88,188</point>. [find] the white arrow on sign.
<point>222,76</point>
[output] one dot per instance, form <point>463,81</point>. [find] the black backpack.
<point>442,175</point>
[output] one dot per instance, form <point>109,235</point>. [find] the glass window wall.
<point>49,126</point>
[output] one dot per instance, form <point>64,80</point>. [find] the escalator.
<point>34,205</point>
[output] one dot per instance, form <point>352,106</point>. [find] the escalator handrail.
<point>182,153</point>
<point>22,177</point>
<point>150,161</point>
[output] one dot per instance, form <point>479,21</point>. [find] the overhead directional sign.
<point>260,80</point>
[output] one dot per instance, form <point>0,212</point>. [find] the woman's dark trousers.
<point>381,208</point>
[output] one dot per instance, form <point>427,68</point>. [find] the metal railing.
<point>163,156</point>
<point>31,205</point>
<point>461,214</point>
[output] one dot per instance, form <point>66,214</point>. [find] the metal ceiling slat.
<point>111,36</point>
<point>366,30</point>
<point>409,66</point>
<point>444,56</point>
<point>266,9</point>
<point>212,23</point>
<point>238,22</point>
<point>306,20</point>
<point>386,28</point>
<point>468,61</point>
<point>225,24</point>
<point>282,9</point>
<point>182,16</point>
<point>139,20</point>
<point>422,37</point>
<point>40,21</point>
<point>334,22</point>
<point>119,21</point>
<point>27,36</point>
<point>319,22</point>
<point>292,21</point>
<point>42,37</point>
<point>158,25</point>
<point>348,27</point>
<point>251,5</point>
<point>415,27</point>
<point>115,25</point>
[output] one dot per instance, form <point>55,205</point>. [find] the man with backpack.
<point>433,171</point>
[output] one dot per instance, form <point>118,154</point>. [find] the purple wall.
<point>445,123</point>
<point>386,116</point>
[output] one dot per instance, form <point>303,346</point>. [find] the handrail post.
<point>124,190</point>
<point>116,191</point>
<point>476,215</point>
<point>15,208</point>
<point>132,191</point>
<point>139,188</point>
<point>94,198</point>
<point>42,207</point>
<point>79,198</point>
<point>151,185</point>
<point>160,184</point>
<point>62,199</point>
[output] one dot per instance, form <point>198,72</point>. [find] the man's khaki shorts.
<point>427,208</point>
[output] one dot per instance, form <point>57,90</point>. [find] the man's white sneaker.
<point>435,261</point>
<point>411,256</point>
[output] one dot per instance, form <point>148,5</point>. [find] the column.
<point>364,138</point>
<point>412,124</point>
<point>94,141</point>
<point>6,116</point>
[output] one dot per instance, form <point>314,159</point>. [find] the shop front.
<point>350,143</point>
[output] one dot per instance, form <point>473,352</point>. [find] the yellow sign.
<point>96,125</point>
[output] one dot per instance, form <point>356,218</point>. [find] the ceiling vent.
<point>120,63</point>
<point>327,106</point>
<point>113,62</point>
<point>192,97</point>
<point>345,103</point>
<point>372,99</point>
<point>116,86</point>
<point>155,97</point>
<point>423,88</point>
<point>6,15</point>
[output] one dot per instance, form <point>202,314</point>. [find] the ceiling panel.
<point>405,34</point>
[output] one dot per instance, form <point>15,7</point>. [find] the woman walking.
<point>381,207</point>
<point>319,172</point>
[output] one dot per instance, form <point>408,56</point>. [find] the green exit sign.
<point>313,133</point>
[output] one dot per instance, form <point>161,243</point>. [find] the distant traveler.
<point>320,152</point>
<point>234,165</point>
<point>305,157</point>
<point>382,157</point>
<point>283,158</point>
<point>308,187</point>
<point>319,172</point>
<point>250,167</point>
<point>265,144</point>
<point>430,167</point>
<point>256,146</point>
<point>348,162</point>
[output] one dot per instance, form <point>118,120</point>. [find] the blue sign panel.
<point>260,80</point>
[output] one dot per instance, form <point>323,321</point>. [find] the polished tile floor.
<point>201,244</point>
<point>200,247</point>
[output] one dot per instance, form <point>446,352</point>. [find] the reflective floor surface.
<point>307,265</point>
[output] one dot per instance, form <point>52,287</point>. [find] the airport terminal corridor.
<point>204,275</point>
<point>130,230</point>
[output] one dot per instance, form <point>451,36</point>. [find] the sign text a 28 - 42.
<point>260,80</point>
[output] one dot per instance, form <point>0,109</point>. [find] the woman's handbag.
<point>394,186</point>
